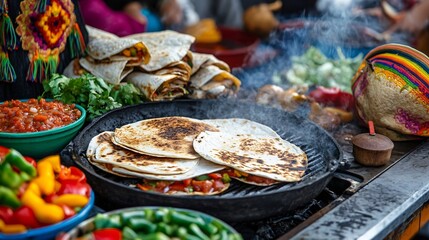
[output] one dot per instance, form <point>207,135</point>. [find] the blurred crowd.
<point>258,16</point>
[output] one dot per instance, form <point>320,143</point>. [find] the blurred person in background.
<point>98,14</point>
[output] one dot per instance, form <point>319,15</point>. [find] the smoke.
<point>335,25</point>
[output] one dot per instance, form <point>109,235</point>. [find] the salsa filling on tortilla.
<point>211,183</point>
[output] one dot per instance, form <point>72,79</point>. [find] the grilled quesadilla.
<point>201,168</point>
<point>242,127</point>
<point>112,72</point>
<point>112,58</point>
<point>164,84</point>
<point>202,60</point>
<point>269,157</point>
<point>166,47</point>
<point>213,82</point>
<point>102,150</point>
<point>162,137</point>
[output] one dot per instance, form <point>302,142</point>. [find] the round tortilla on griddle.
<point>241,126</point>
<point>102,150</point>
<point>162,137</point>
<point>270,157</point>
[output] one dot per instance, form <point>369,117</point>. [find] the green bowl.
<point>43,143</point>
<point>88,225</point>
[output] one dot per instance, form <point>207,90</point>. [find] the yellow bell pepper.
<point>11,228</point>
<point>46,178</point>
<point>49,213</point>
<point>31,199</point>
<point>45,212</point>
<point>55,162</point>
<point>71,200</point>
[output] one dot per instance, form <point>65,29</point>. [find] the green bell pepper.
<point>8,177</point>
<point>8,198</point>
<point>16,159</point>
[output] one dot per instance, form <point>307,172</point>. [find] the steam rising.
<point>336,25</point>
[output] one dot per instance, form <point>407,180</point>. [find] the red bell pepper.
<point>31,161</point>
<point>68,211</point>
<point>25,216</point>
<point>71,174</point>
<point>333,97</point>
<point>6,214</point>
<point>3,151</point>
<point>107,234</point>
<point>73,187</point>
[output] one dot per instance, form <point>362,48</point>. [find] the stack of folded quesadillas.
<point>167,75</point>
<point>160,64</point>
<point>112,58</point>
<point>211,78</point>
<point>179,155</point>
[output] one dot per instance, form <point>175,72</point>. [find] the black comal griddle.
<point>241,202</point>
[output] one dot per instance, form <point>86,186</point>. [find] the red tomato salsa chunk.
<point>36,115</point>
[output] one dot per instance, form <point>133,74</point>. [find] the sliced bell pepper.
<point>31,161</point>
<point>6,214</point>
<point>68,211</point>
<point>71,173</point>
<point>25,216</point>
<point>107,234</point>
<point>73,187</point>
<point>8,177</point>
<point>11,228</point>
<point>8,198</point>
<point>55,162</point>
<point>333,97</point>
<point>71,200</point>
<point>3,152</point>
<point>15,158</point>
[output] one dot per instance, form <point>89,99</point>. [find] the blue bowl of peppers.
<point>40,199</point>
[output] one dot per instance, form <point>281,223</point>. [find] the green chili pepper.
<point>161,215</point>
<point>182,232</point>
<point>202,178</point>
<point>126,216</point>
<point>103,221</point>
<point>194,229</point>
<point>235,236</point>
<point>141,224</point>
<point>8,198</point>
<point>153,236</point>
<point>129,234</point>
<point>8,177</point>
<point>150,215</point>
<point>165,228</point>
<point>224,235</point>
<point>16,159</point>
<point>209,228</point>
<point>185,220</point>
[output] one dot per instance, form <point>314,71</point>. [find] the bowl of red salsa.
<point>39,127</point>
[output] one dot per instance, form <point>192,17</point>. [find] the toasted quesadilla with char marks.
<point>113,72</point>
<point>166,47</point>
<point>102,150</point>
<point>162,137</point>
<point>269,157</point>
<point>200,60</point>
<point>158,87</point>
<point>241,126</point>
<point>213,82</point>
<point>167,83</point>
